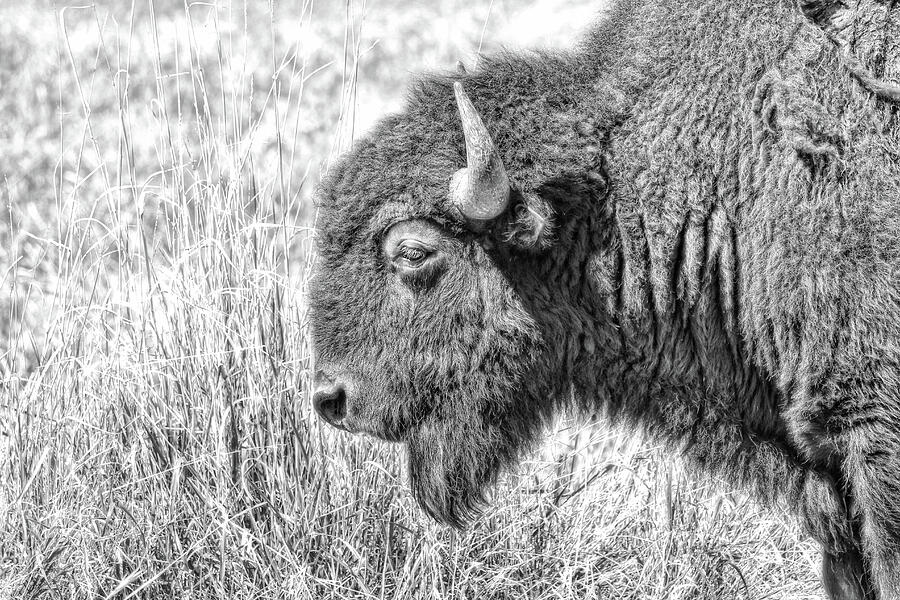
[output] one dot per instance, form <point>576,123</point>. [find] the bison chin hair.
<point>454,463</point>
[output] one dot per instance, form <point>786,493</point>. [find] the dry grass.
<point>156,438</point>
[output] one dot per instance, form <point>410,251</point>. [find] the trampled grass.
<point>156,436</point>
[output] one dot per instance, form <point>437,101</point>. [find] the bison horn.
<point>481,190</point>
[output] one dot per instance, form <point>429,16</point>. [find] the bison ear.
<point>532,225</point>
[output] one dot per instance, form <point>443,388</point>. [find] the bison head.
<point>437,309</point>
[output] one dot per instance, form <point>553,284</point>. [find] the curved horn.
<point>481,190</point>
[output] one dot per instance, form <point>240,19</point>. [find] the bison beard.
<point>452,464</point>
<point>457,452</point>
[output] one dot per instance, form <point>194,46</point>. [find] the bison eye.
<point>414,262</point>
<point>414,251</point>
<point>412,255</point>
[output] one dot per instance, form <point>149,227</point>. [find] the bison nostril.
<point>331,403</point>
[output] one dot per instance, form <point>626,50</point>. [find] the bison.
<point>689,223</point>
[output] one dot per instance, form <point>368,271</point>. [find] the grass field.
<point>158,162</point>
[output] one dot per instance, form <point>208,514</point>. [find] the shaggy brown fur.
<point>702,243</point>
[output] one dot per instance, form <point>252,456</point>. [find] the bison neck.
<point>664,273</point>
<point>674,365</point>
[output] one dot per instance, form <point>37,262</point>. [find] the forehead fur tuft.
<point>407,158</point>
